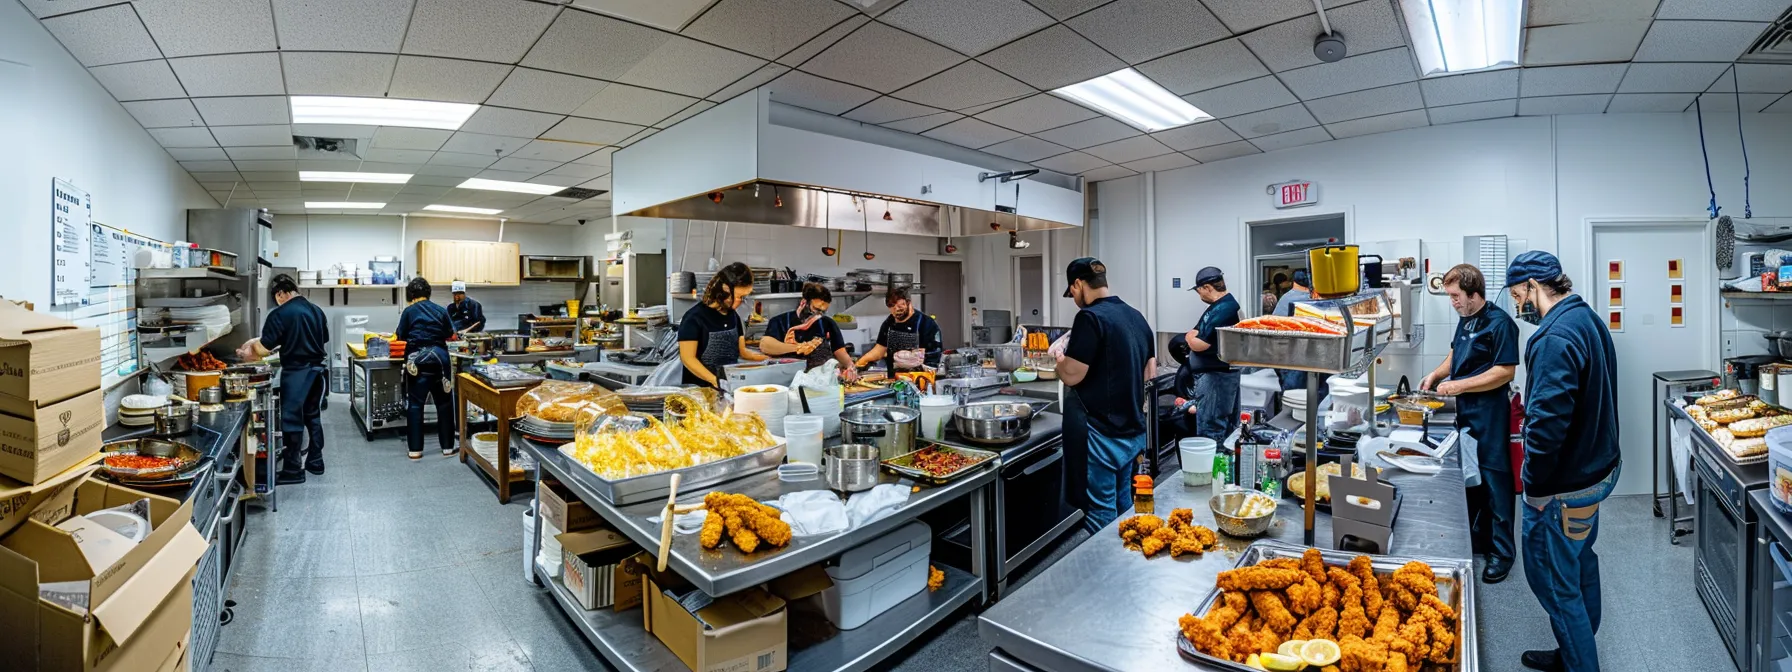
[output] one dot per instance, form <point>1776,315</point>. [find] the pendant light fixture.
<point>887,216</point>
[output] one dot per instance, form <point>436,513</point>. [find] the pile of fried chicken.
<point>1149,534</point>
<point>745,521</point>
<point>1382,624</point>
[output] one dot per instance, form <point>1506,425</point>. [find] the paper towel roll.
<point>769,402</point>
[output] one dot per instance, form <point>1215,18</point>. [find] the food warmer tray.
<point>656,486</point>
<point>545,429</point>
<point>902,464</point>
<point>1455,586</point>
<point>1326,506</point>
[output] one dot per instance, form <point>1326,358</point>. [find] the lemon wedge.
<point>1280,663</point>
<point>1254,662</point>
<point>1320,652</point>
<point>1291,647</point>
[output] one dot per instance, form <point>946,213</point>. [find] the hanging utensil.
<point>865,219</point>
<point>827,200</point>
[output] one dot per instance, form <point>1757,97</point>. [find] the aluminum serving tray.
<point>656,486</point>
<point>902,464</point>
<point>1455,586</point>
<point>1294,349</point>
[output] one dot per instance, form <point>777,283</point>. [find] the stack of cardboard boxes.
<point>63,605</point>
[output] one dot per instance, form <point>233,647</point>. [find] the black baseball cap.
<point>1207,275</point>
<point>1085,269</point>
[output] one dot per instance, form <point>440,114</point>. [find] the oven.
<point>1773,596</point>
<point>1726,529</point>
<point>1031,485</point>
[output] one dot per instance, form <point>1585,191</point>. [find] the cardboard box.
<point>48,440</point>
<point>50,501</point>
<point>44,359</point>
<point>562,508</point>
<point>177,659</point>
<point>742,632</point>
<point>139,608</point>
<point>599,570</point>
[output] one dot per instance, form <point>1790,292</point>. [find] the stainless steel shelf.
<point>182,301</point>
<point>184,274</point>
<point>1735,295</point>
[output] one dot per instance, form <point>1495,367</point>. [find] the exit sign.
<point>1295,194</point>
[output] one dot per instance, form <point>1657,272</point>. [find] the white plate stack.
<point>826,403</point>
<point>139,410</point>
<point>769,402</point>
<point>215,319</point>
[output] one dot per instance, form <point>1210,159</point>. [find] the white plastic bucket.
<point>803,432</point>
<point>1197,460</point>
<point>936,411</point>
<point>529,542</point>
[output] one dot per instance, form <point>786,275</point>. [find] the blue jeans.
<point>1110,477</point>
<point>1563,570</point>
<point>1216,404</point>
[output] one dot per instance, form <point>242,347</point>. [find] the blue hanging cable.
<point>1700,113</point>
<point>1748,210</point>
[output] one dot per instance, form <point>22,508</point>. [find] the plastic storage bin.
<point>878,575</point>
<point>1779,468</point>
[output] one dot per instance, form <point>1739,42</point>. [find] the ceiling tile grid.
<point>970,27</point>
<point>1204,67</point>
<point>1141,30</point>
<point>1369,103</point>
<point>1570,79</point>
<point>865,58</point>
<point>198,27</point>
<point>1268,122</point>
<point>106,35</point>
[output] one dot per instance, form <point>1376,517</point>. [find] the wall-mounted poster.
<point>71,261</point>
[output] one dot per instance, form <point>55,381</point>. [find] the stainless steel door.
<point>1719,561</point>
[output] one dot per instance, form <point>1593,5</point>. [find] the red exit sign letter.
<point>1293,194</point>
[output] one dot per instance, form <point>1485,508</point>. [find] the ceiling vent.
<point>577,193</point>
<point>326,148</point>
<point>1775,44</point>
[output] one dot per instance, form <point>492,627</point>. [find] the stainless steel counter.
<point>1103,607</point>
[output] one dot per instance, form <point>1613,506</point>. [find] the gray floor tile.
<point>318,619</point>
<point>506,657</point>
<point>230,662</point>
<point>297,554</point>
<point>399,546</point>
<point>429,608</point>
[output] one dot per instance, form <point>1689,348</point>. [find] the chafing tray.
<point>1455,586</point>
<point>656,486</point>
<point>903,464</point>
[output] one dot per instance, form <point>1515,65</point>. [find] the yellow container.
<point>1334,270</point>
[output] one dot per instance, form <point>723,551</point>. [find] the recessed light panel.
<point>1454,36</point>
<point>1131,97</point>
<point>344,205</point>
<point>339,176</point>
<point>380,112</point>
<point>462,208</point>
<point>500,185</point>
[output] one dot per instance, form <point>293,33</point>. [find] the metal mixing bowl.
<point>1224,504</point>
<point>850,467</point>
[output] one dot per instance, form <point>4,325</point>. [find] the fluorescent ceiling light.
<point>339,176</point>
<point>500,185</point>
<point>380,112</point>
<point>1451,36</point>
<point>344,205</point>
<point>462,208</point>
<point>1130,97</point>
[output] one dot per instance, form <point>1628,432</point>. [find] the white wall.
<point>60,123</point>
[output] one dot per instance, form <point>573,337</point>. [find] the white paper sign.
<point>72,261</point>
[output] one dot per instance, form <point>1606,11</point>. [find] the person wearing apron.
<point>710,335</point>
<point>467,316</point>
<point>1478,372</point>
<point>1105,363</point>
<point>425,327</point>
<point>908,338</point>
<point>809,333</point>
<point>1215,382</point>
<point>299,330</point>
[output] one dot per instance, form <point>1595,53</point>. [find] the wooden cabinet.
<point>474,262</point>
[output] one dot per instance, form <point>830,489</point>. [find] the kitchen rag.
<point>814,512</point>
<point>876,503</point>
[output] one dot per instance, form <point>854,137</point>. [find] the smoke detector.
<point>1329,47</point>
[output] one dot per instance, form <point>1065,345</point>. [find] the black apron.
<point>1486,415</point>
<point>900,341</point>
<point>722,349</point>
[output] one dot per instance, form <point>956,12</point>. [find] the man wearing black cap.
<point>1216,382</point>
<point>1106,363</point>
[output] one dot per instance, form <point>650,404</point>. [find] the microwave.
<point>568,269</point>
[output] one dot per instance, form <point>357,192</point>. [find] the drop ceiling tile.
<point>919,124</point>
<point>543,91</point>
<point>206,154</point>
<point>600,158</point>
<point>550,150</point>
<point>1025,148</point>
<point>1683,41</point>
<point>499,31</point>
<point>564,181</point>
<point>1552,12</point>
<point>591,131</point>
<point>415,139</point>
<point>142,80</point>
<point>1195,136</point>
<point>1169,161</point>
<point>529,166</point>
<point>975,110</point>
<point>48,8</point>
<point>1097,131</point>
<point>822,95</point>
<point>447,80</point>
<point>358,131</point>
<point>244,110</point>
<point>968,132</point>
<point>271,135</point>
<point>231,176</point>
<point>1244,16</point>
<point>1570,79</point>
<point>1586,104</point>
<point>1650,102</point>
<point>419,181</point>
<point>1594,41</point>
<point>103,36</point>
<point>1267,122</point>
<point>1130,149</point>
<point>212,166</point>
<point>462,160</point>
<point>1671,77</point>
<point>1231,100</point>
<point>969,26</point>
<point>183,137</point>
<point>198,27</point>
<point>325,73</point>
<point>886,109</point>
<point>689,67</point>
<point>164,113</point>
<point>584,172</point>
<point>1722,10</point>
<point>967,84</point>
<point>1204,67</point>
<point>826,39</point>
<point>1370,103</point>
<point>1782,106</point>
<point>342,25</point>
<point>1379,124</point>
<point>764,75</point>
<point>397,155</point>
<point>1474,87</point>
<point>1726,101</point>
<point>633,104</point>
<point>865,59</point>
<point>230,75</point>
<point>1052,58</point>
<point>590,45</point>
<point>496,146</point>
<point>1108,173</point>
<point>277,176</point>
<point>1354,73</point>
<point>766,28</point>
<point>1367,27</point>
<point>1064,9</point>
<point>1141,30</point>
<point>1037,113</point>
<point>695,109</point>
<point>265,154</point>
<point>1305,136</point>
<point>640,135</point>
<point>273,164</point>
<point>1762,78</point>
<point>667,14</point>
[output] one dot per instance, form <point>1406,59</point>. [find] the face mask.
<point>1527,311</point>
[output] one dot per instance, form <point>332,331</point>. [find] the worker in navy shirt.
<point>1216,382</point>
<point>809,333</point>
<point>1478,372</point>
<point>425,329</point>
<point>710,335</point>
<point>466,314</point>
<point>1106,362</point>
<point>1571,456</point>
<point>908,337</point>
<point>299,330</point>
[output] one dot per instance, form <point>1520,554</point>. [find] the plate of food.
<point>938,463</point>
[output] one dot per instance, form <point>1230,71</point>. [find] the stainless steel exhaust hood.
<point>798,205</point>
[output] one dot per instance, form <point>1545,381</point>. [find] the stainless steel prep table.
<point>1102,607</point>
<point>623,642</point>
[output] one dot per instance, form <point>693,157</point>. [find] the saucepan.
<point>995,422</point>
<point>850,467</point>
<point>890,428</point>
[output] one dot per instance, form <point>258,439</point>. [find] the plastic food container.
<point>1779,468</point>
<point>1197,460</point>
<point>878,575</point>
<point>1334,270</point>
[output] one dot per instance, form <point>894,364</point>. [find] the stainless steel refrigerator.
<point>249,234</point>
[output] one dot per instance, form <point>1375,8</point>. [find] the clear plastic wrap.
<point>562,402</point>
<point>625,446</point>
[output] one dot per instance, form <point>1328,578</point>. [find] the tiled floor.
<point>387,565</point>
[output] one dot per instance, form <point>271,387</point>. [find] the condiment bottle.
<point>1142,494</point>
<point>1270,473</point>
<point>1247,454</point>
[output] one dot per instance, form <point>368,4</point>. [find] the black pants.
<point>428,383</point>
<point>301,400</point>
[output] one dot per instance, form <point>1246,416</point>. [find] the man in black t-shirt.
<point>1107,361</point>
<point>809,333</point>
<point>1215,381</point>
<point>909,338</point>
<point>299,330</point>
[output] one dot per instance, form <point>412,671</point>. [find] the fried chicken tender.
<point>1443,610</point>
<point>1387,626</point>
<point>770,527</point>
<point>1279,563</point>
<point>1259,578</point>
<point>1274,613</point>
<point>1396,662</point>
<point>744,521</point>
<point>1239,602</point>
<point>711,536</point>
<point>1321,624</point>
<point>1353,621</point>
<point>935,578</point>
<point>1442,634</point>
<point>1180,518</point>
<point>1364,572</point>
<point>1305,597</point>
<point>1314,563</point>
<point>1409,582</point>
<point>1159,539</point>
<point>1357,655</point>
<point>1135,529</point>
<point>739,533</point>
<point>1413,640</point>
<point>1334,596</point>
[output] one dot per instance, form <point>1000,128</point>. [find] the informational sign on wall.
<point>71,263</point>
<point>110,303</point>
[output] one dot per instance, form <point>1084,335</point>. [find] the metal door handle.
<point>1042,464</point>
<point>1780,559</point>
